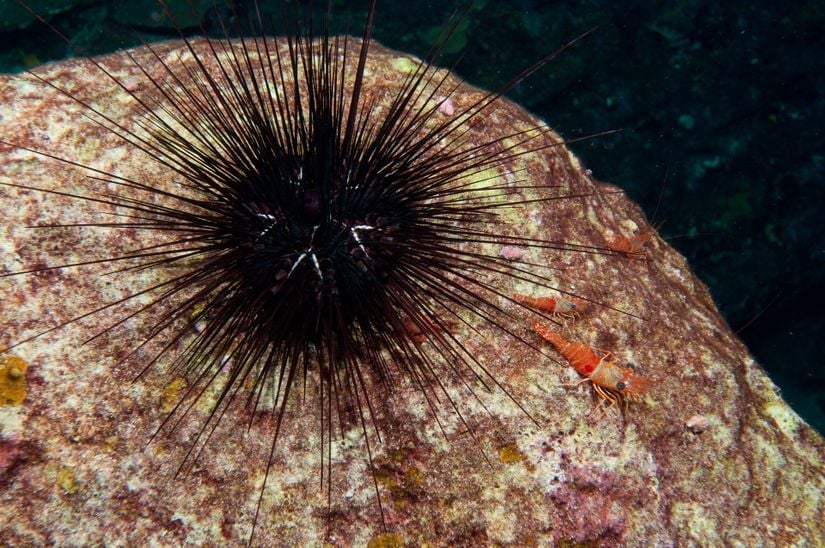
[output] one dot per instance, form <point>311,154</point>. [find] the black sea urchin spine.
<point>311,225</point>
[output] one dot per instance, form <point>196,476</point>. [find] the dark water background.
<point>722,106</point>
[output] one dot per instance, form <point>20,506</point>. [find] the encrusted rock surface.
<point>711,456</point>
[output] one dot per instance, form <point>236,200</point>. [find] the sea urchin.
<point>297,227</point>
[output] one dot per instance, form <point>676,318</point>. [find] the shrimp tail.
<point>550,336</point>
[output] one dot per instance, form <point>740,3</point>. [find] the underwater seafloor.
<point>721,106</point>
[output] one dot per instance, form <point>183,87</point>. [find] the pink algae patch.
<point>446,106</point>
<point>512,252</point>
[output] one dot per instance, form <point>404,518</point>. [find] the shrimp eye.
<point>620,386</point>
<point>631,366</point>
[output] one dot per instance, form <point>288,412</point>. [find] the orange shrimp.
<point>633,246</point>
<point>612,383</point>
<point>569,308</point>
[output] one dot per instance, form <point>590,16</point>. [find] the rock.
<point>712,455</point>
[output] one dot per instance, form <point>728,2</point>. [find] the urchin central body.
<point>314,246</point>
